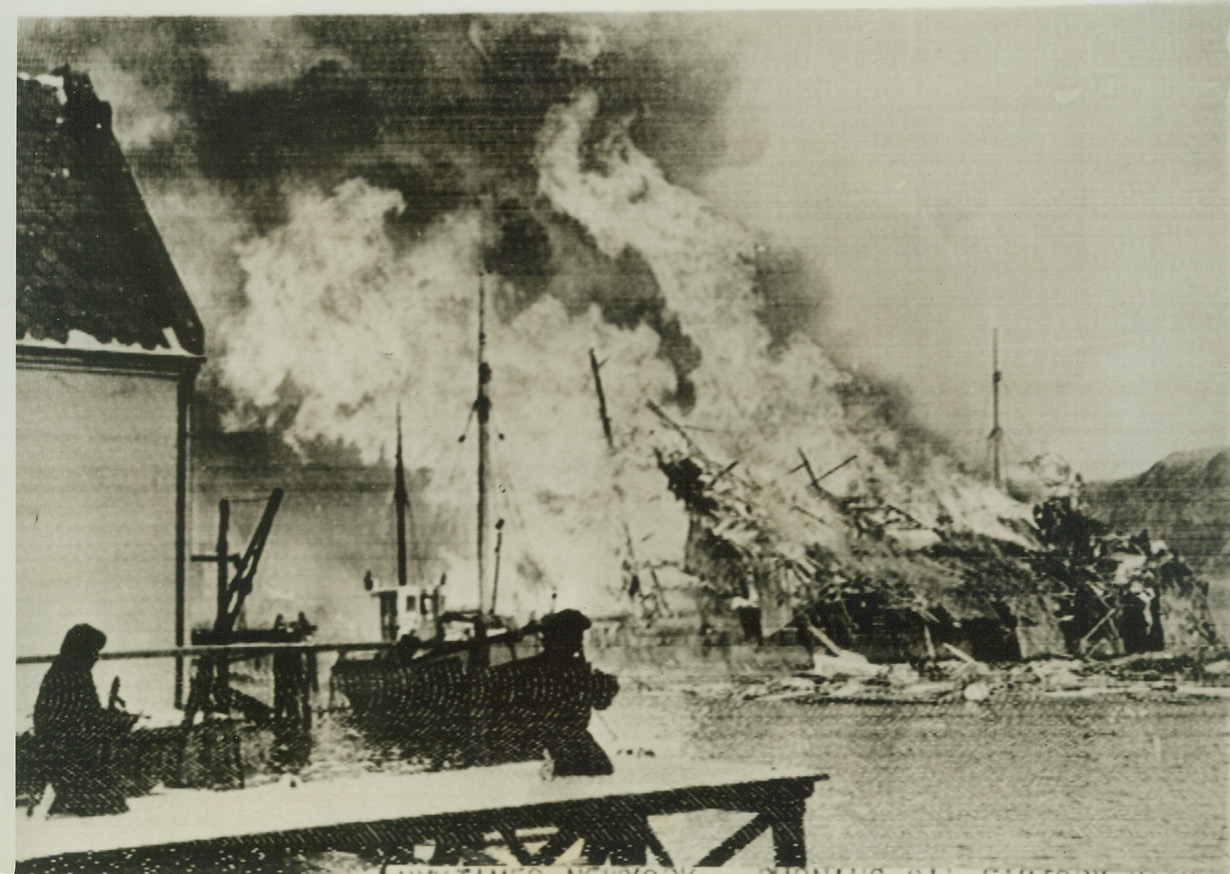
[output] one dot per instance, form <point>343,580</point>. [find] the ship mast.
<point>400,500</point>
<point>482,407</point>
<point>996,437</point>
<point>633,564</point>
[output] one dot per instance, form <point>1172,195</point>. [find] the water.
<point>1100,784</point>
<point>1121,785</point>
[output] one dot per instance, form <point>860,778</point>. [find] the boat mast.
<point>996,436</point>
<point>482,407</point>
<point>400,500</point>
<point>633,564</point>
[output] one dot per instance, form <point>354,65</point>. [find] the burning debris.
<point>880,585</point>
<point>552,155</point>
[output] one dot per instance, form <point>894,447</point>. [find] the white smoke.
<point>762,406</point>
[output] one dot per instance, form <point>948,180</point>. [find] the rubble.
<point>1066,587</point>
<point>1218,668</point>
<point>953,680</point>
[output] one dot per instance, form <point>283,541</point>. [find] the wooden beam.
<point>235,650</point>
<point>726,850</point>
<point>515,846</point>
<point>555,846</point>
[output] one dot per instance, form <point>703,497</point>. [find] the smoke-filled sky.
<point>759,222</point>
<point>1059,173</point>
<point>913,179</point>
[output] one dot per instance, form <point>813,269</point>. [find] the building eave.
<point>105,360</point>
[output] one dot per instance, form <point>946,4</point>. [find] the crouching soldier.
<point>74,734</point>
<point>544,703</point>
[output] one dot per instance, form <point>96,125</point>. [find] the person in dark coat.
<point>544,703</point>
<point>75,733</point>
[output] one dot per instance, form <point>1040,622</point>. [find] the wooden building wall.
<point>98,505</point>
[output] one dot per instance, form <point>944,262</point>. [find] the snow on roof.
<point>89,258</point>
<point>81,341</point>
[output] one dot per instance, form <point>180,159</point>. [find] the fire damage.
<point>862,584</point>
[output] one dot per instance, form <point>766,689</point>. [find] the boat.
<point>418,690</point>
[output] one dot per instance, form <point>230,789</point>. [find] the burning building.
<point>892,588</point>
<point>336,201</point>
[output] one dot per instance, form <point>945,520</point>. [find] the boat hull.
<point>423,705</point>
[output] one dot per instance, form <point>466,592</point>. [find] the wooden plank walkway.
<point>389,813</point>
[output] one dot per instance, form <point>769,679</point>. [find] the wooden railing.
<point>233,649</point>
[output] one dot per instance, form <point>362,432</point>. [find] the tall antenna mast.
<point>996,437</point>
<point>482,406</point>
<point>400,500</point>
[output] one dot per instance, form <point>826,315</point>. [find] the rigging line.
<point>511,495</point>
<point>501,478</point>
<point>416,547</point>
<point>453,475</point>
<point>455,450</point>
<point>465,432</point>
<point>522,549</point>
<point>415,544</point>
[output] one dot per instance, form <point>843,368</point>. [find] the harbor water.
<point>1120,785</point>
<point>1098,784</point>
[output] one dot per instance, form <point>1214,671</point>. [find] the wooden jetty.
<point>389,814</point>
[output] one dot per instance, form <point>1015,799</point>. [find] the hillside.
<point>1184,499</point>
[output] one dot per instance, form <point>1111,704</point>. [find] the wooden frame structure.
<point>387,815</point>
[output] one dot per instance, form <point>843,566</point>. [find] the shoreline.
<point>848,678</point>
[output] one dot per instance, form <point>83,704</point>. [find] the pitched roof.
<point>89,259</point>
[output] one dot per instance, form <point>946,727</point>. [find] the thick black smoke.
<point>445,110</point>
<point>300,159</point>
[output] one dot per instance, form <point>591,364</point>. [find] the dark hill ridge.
<point>1184,499</point>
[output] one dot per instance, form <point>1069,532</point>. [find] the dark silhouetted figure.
<point>75,735</point>
<point>746,606</point>
<point>544,703</point>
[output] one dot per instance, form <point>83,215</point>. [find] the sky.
<point>1056,174</point>
<point>926,177</point>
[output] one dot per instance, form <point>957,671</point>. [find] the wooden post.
<point>181,522</point>
<point>633,563</point>
<point>602,413</point>
<point>789,845</point>
<point>221,622</point>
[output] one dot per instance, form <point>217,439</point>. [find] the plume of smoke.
<point>763,402</point>
<point>354,176</point>
<point>361,325</point>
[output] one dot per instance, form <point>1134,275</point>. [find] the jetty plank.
<point>392,811</point>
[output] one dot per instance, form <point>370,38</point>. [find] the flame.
<point>362,323</point>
